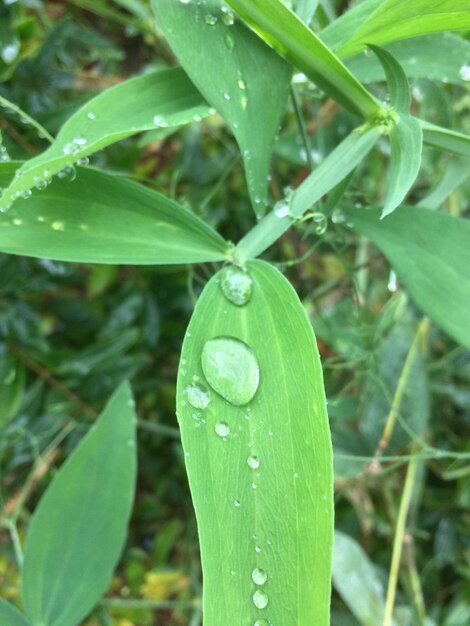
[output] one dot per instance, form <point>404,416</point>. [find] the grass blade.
<point>167,97</point>
<point>400,19</point>
<point>101,218</point>
<point>260,474</point>
<point>237,73</point>
<point>456,173</point>
<point>446,139</point>
<point>430,253</point>
<point>10,616</point>
<point>287,34</point>
<point>79,527</point>
<point>406,141</point>
<point>398,87</point>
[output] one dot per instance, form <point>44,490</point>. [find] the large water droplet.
<point>281,209</point>
<point>253,462</point>
<point>259,576</point>
<point>465,72</point>
<point>261,622</point>
<point>222,429</point>
<point>231,369</point>
<point>198,396</point>
<point>236,285</point>
<point>260,599</point>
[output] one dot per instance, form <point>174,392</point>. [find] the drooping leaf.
<point>237,73</point>
<point>400,19</point>
<point>260,469</point>
<point>430,253</point>
<point>418,58</point>
<point>101,218</point>
<point>10,616</point>
<point>78,529</point>
<point>287,34</point>
<point>406,142</point>
<point>332,170</point>
<point>356,581</point>
<point>457,171</point>
<point>446,139</point>
<point>161,99</point>
<point>397,82</point>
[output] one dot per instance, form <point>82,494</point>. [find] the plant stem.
<point>7,104</point>
<point>302,127</point>
<point>15,539</point>
<point>398,541</point>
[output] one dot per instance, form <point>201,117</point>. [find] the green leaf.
<point>430,253</point>
<point>78,529</point>
<point>260,474</point>
<point>10,616</point>
<point>445,139</point>
<point>167,97</point>
<point>331,171</point>
<point>337,33</point>
<point>287,34</point>
<point>397,82</point>
<point>12,383</point>
<point>305,9</point>
<point>101,218</point>
<point>456,173</point>
<point>355,579</point>
<point>406,141</point>
<point>400,19</point>
<point>418,58</point>
<point>237,73</point>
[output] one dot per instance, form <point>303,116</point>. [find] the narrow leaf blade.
<point>262,489</point>
<point>10,616</point>
<point>101,218</point>
<point>79,527</point>
<point>406,141</point>
<point>430,253</point>
<point>446,139</point>
<point>399,89</point>
<point>287,34</point>
<point>167,96</point>
<point>238,74</point>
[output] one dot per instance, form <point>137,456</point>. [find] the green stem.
<point>15,539</point>
<point>7,104</point>
<point>398,542</point>
<point>302,127</point>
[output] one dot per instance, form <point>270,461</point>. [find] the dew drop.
<point>261,622</point>
<point>198,396</point>
<point>236,504</point>
<point>241,83</point>
<point>259,576</point>
<point>320,222</point>
<point>260,599</point>
<point>160,121</point>
<point>226,96</point>
<point>17,222</point>
<point>222,429</point>
<point>231,369</point>
<point>229,41</point>
<point>281,209</point>
<point>236,285</point>
<point>185,1</point>
<point>26,193</point>
<point>464,72</point>
<point>91,115</point>
<point>60,226</point>
<point>338,217</point>
<point>210,19</point>
<point>253,462</point>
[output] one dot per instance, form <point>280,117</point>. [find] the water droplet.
<point>338,217</point>
<point>185,1</point>
<point>281,209</point>
<point>17,222</point>
<point>229,41</point>
<point>226,96</point>
<point>260,599</point>
<point>320,222</point>
<point>10,51</point>
<point>253,462</point>
<point>60,226</point>
<point>26,194</point>
<point>241,83</point>
<point>259,576</point>
<point>228,17</point>
<point>392,282</point>
<point>222,429</point>
<point>160,121</point>
<point>261,622</point>
<point>231,369</point>
<point>236,285</point>
<point>210,19</point>
<point>254,486</point>
<point>42,184</point>
<point>236,504</point>
<point>257,549</point>
<point>83,161</point>
<point>198,396</point>
<point>91,115</point>
<point>464,72</point>
<point>69,173</point>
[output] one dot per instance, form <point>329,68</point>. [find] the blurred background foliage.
<point>70,333</point>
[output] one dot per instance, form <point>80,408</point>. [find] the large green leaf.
<point>78,529</point>
<point>282,29</point>
<point>101,218</point>
<point>406,142</point>
<point>260,469</point>
<point>238,74</point>
<point>161,99</point>
<point>10,616</point>
<point>418,58</point>
<point>400,19</point>
<point>430,253</point>
<point>331,171</point>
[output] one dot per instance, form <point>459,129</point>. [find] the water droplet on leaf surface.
<point>281,209</point>
<point>259,576</point>
<point>253,462</point>
<point>464,72</point>
<point>231,369</point>
<point>198,396</point>
<point>222,429</point>
<point>236,285</point>
<point>260,599</point>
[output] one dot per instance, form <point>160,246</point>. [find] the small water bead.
<point>231,369</point>
<point>321,223</point>
<point>253,462</point>
<point>261,622</point>
<point>17,222</point>
<point>83,161</point>
<point>26,194</point>
<point>160,121</point>
<point>59,226</point>
<point>229,41</point>
<point>236,504</point>
<point>338,217</point>
<point>260,599</point>
<point>281,209</point>
<point>222,429</point>
<point>91,115</point>
<point>210,19</point>
<point>226,96</point>
<point>228,17</point>
<point>185,1</point>
<point>464,72</point>
<point>198,396</point>
<point>259,576</point>
<point>236,285</point>
<point>241,83</point>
